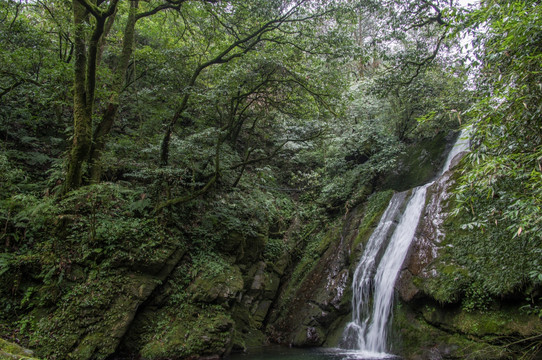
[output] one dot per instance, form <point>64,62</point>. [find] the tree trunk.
<point>164,146</point>
<point>84,84</point>
<point>103,129</point>
<point>82,118</point>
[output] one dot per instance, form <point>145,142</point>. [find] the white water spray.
<point>368,330</point>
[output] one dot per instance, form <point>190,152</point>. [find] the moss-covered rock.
<point>220,288</point>
<point>195,332</point>
<point>11,351</point>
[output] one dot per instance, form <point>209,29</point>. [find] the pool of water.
<point>285,353</point>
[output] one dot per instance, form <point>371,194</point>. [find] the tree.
<point>275,23</point>
<point>89,46</point>
<point>505,167</point>
<point>244,30</point>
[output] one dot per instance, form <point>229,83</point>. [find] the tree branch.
<point>96,11</point>
<point>276,151</point>
<point>419,65</point>
<point>188,197</point>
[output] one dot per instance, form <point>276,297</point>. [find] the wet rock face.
<point>322,297</point>
<point>424,248</point>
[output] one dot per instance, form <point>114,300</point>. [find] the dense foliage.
<point>501,186</point>
<point>176,141</point>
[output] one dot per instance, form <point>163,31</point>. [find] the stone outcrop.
<point>426,327</point>
<point>12,351</point>
<point>314,307</point>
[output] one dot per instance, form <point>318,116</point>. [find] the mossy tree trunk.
<point>95,142</point>
<point>103,128</point>
<point>86,54</point>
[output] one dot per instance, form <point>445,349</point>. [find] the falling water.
<point>370,319</point>
<point>364,274</point>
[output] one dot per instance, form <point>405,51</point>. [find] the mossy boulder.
<point>195,332</point>
<point>12,351</point>
<point>220,288</point>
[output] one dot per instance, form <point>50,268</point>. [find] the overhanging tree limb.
<point>96,11</point>
<point>246,44</point>
<point>420,64</point>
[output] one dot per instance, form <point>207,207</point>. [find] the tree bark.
<point>84,84</point>
<point>108,118</point>
<point>81,116</point>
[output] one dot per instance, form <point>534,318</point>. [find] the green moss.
<point>373,210</point>
<point>448,286</point>
<point>419,164</point>
<point>505,322</point>
<point>275,249</point>
<point>196,331</point>
<point>11,351</point>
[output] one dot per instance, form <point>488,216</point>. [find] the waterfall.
<point>353,337</point>
<point>368,330</point>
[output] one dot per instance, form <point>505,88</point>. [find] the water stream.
<point>375,275</point>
